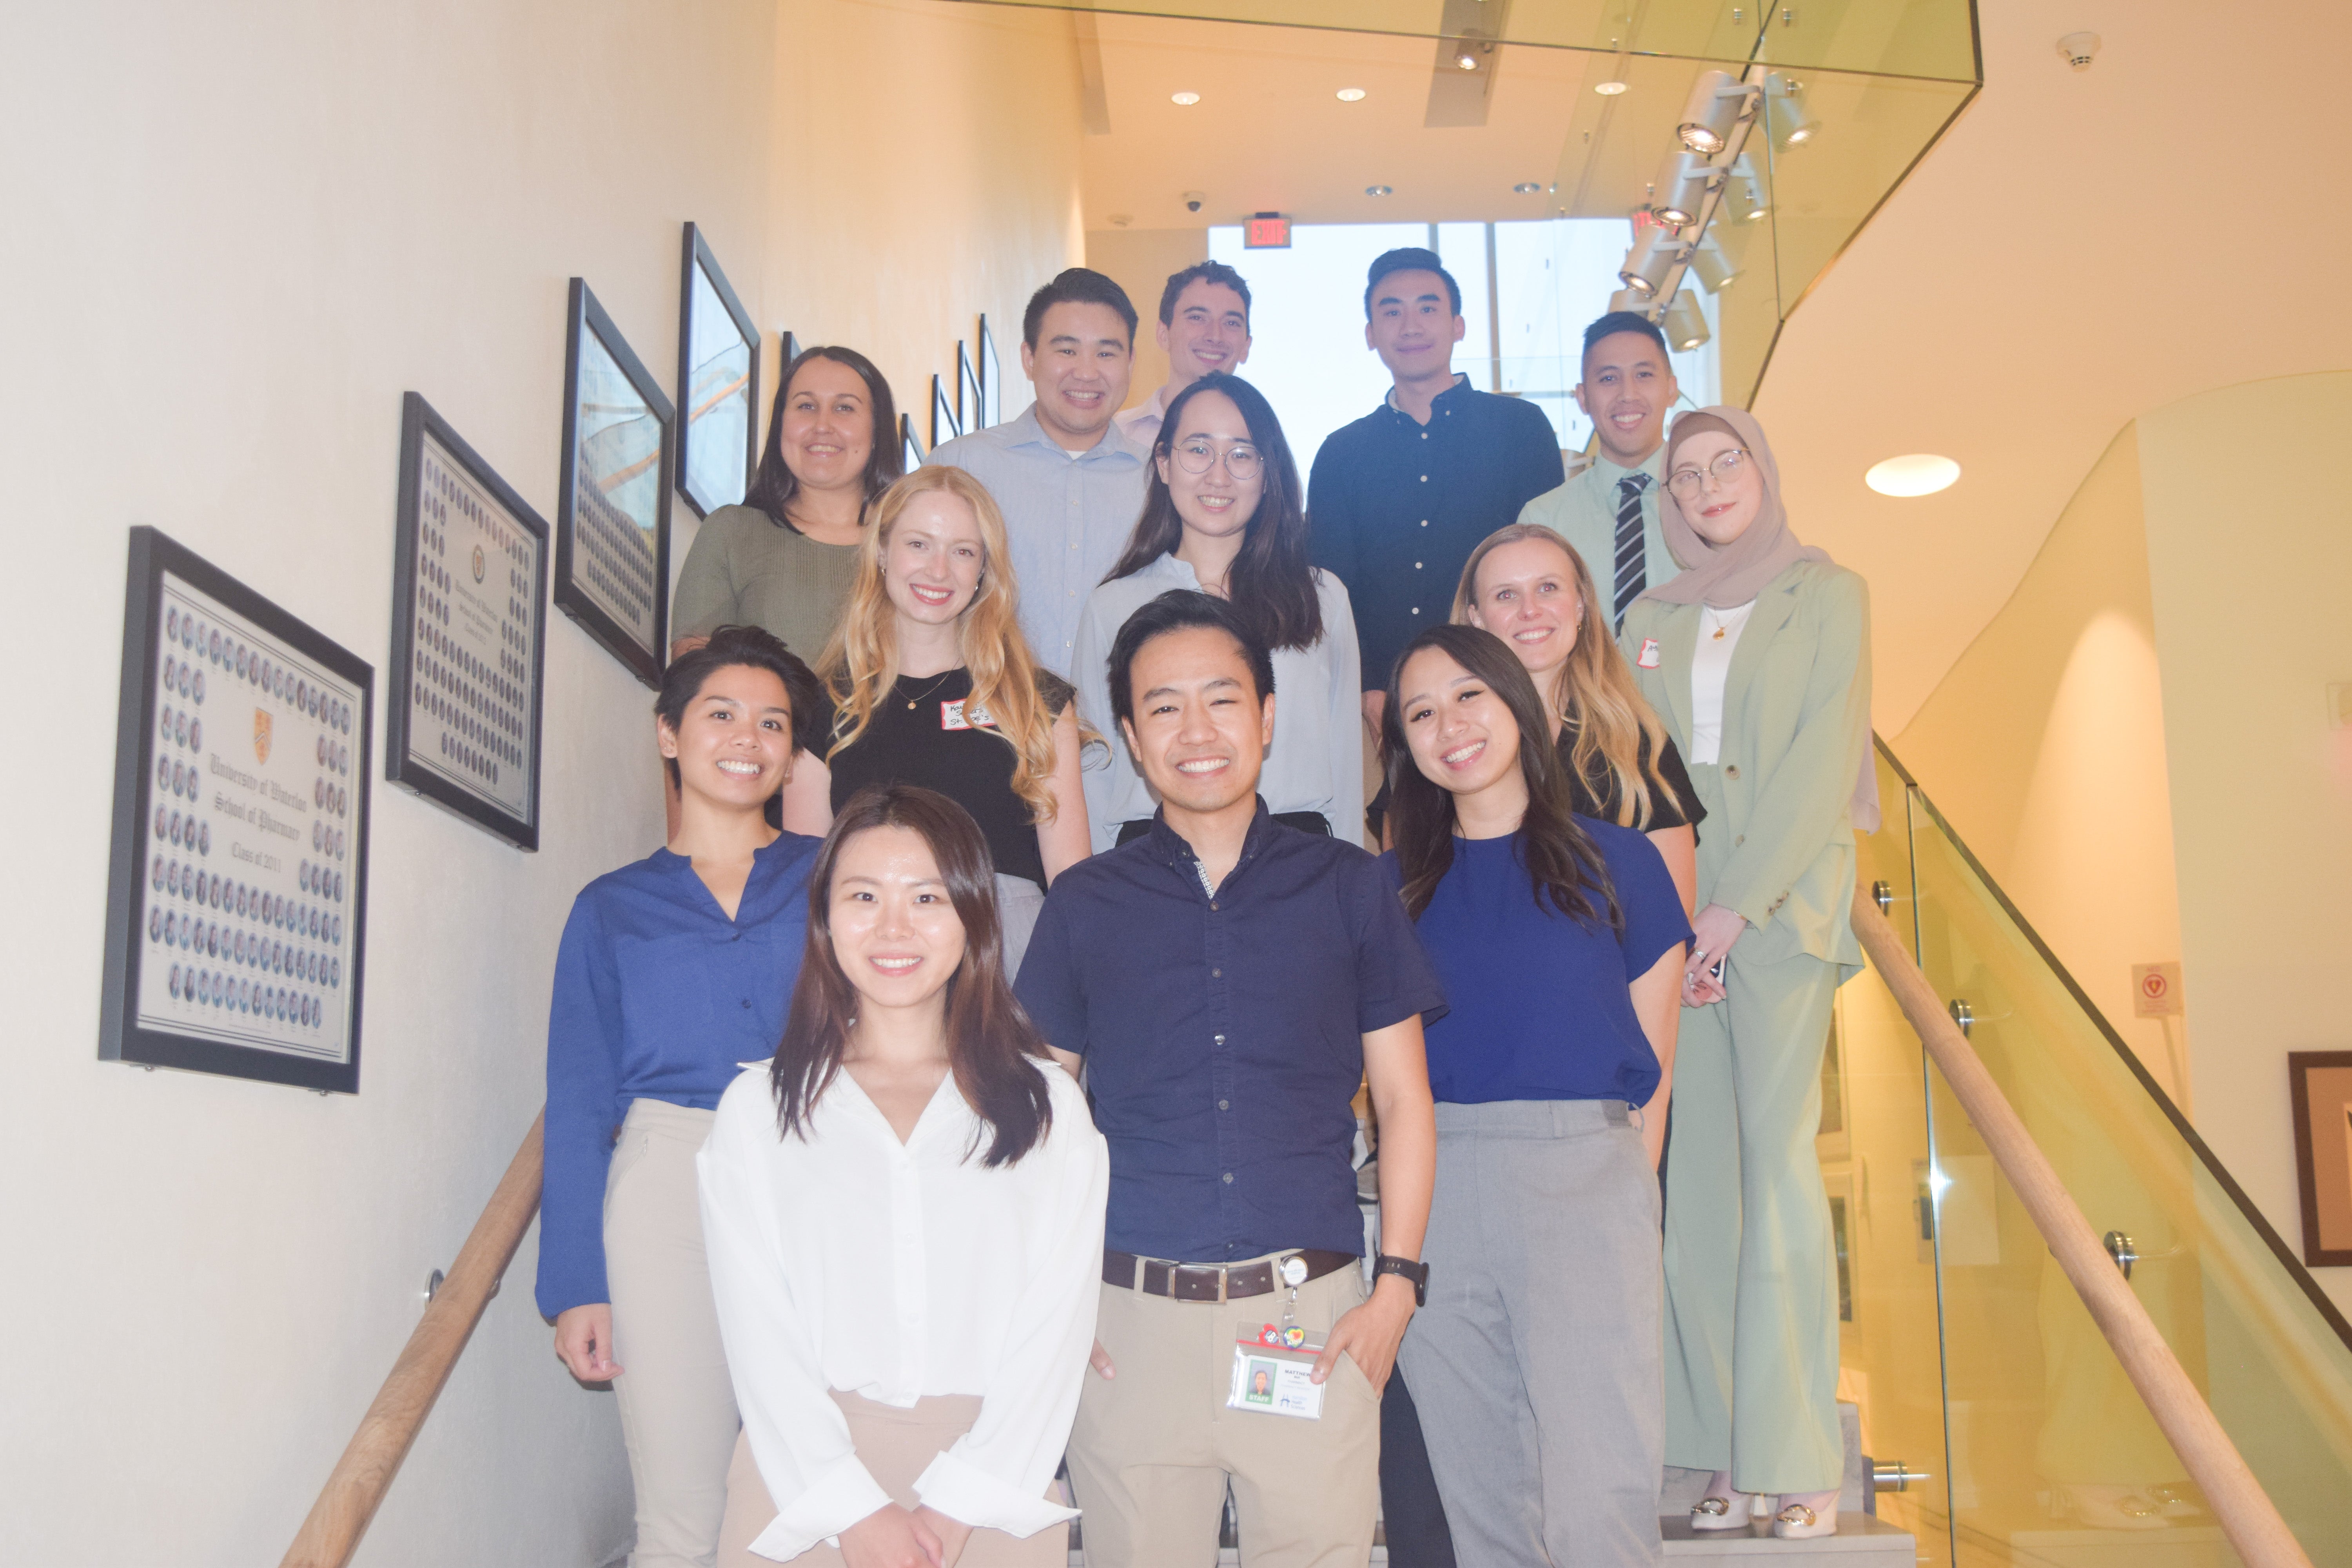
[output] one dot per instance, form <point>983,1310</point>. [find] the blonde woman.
<point>933,684</point>
<point>1528,587</point>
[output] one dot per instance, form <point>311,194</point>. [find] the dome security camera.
<point>1192,201</point>
<point>2078,49</point>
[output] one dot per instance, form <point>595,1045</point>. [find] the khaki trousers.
<point>1751,1286</point>
<point>896,1447</point>
<point>1154,1447</point>
<point>677,1408</point>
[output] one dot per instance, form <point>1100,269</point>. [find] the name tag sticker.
<point>1649,660</point>
<point>1272,1375</point>
<point>953,716</point>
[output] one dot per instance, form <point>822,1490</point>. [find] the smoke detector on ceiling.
<point>2079,49</point>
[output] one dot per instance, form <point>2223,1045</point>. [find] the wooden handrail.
<point>361,1478</point>
<point>2244,1510</point>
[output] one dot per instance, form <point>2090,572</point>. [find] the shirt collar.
<point>1461,386</point>
<point>1114,446</point>
<point>1173,569</point>
<point>1172,849</point>
<point>1610,473</point>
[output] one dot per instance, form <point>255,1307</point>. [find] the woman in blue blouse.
<point>673,973</point>
<point>1536,1364</point>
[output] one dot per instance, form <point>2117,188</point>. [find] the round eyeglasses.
<point>1198,457</point>
<point>1687,482</point>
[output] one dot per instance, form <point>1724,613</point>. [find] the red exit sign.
<point>1267,231</point>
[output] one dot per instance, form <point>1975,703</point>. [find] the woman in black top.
<point>933,684</point>
<point>1526,584</point>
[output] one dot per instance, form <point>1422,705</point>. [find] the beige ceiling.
<point>2078,250</point>
<point>1270,135</point>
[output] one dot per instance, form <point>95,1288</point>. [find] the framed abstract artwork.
<point>468,634</point>
<point>944,427</point>
<point>611,508</point>
<point>718,384</point>
<point>910,447</point>
<point>237,886</point>
<point>2320,1083</point>
<point>990,371</point>
<point>970,400</point>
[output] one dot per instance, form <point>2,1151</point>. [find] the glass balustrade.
<point>1971,1357</point>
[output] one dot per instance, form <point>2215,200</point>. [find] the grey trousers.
<point>1536,1364</point>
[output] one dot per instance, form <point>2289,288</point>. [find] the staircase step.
<point>1862,1542</point>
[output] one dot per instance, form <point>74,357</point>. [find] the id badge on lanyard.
<point>1273,1365</point>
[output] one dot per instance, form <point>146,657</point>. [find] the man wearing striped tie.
<point>1609,511</point>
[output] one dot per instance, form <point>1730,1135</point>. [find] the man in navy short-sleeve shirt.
<point>1227,981</point>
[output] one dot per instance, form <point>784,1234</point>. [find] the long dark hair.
<point>1563,864</point>
<point>993,1050</point>
<point>682,682</point>
<point>773,490</point>
<point>1273,582</point>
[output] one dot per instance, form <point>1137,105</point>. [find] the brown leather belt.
<point>1214,1281</point>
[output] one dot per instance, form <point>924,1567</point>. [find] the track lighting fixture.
<point>1744,200</point>
<point>1654,253</point>
<point>1716,268</point>
<point>1686,323</point>
<point>1680,189</point>
<point>1633,304</point>
<point>1784,99</point>
<point>1718,102</point>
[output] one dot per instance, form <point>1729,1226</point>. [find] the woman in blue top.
<point>1536,1364</point>
<point>673,973</point>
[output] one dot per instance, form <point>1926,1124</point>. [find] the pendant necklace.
<point>935,685</point>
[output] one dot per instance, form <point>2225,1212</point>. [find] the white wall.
<point>233,234</point>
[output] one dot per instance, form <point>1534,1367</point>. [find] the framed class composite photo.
<point>237,889</point>
<point>990,370</point>
<point>2321,1085</point>
<point>468,634</point>
<point>910,447</point>
<point>718,384</point>
<point>968,394</point>
<point>611,508</point>
<point>943,413</point>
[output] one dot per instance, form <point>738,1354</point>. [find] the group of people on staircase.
<point>964,1123</point>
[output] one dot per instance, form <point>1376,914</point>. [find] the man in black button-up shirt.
<point>1227,981</point>
<point>1398,500</point>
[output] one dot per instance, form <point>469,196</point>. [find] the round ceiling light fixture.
<point>1609,89</point>
<point>1526,188</point>
<point>1914,474</point>
<point>1379,190</point>
<point>1186,99</point>
<point>1351,95</point>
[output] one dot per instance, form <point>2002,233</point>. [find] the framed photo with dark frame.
<point>2321,1084</point>
<point>236,885</point>
<point>611,506</point>
<point>944,428</point>
<point>718,384</point>
<point>911,448</point>
<point>969,398</point>
<point>990,372</point>
<point>468,634</point>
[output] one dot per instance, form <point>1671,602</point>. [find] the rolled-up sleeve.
<point>799,1436</point>
<point>996,1474</point>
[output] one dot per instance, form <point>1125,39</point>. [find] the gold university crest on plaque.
<point>261,734</point>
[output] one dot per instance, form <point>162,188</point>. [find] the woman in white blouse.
<point>904,1213</point>
<point>1225,515</point>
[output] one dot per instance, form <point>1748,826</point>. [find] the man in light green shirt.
<point>1627,391</point>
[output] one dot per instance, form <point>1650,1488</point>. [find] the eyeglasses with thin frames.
<point>1198,457</point>
<point>1687,482</point>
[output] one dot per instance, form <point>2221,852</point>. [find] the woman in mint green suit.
<point>1757,658</point>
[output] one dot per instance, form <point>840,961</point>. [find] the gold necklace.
<point>935,685</point>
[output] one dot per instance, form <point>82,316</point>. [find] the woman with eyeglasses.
<point>1757,655</point>
<point>1223,515</point>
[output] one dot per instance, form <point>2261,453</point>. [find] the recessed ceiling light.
<point>1609,89</point>
<point>1917,473</point>
<point>1379,190</point>
<point>1526,188</point>
<point>1187,99</point>
<point>1351,95</point>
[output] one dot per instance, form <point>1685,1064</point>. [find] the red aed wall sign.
<point>1267,231</point>
<point>2155,990</point>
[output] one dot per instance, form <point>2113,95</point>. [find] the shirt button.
<point>1741,839</point>
<point>1229,1178</point>
<point>746,1002</point>
<point>1424,522</point>
<point>1416,609</point>
<point>1424,478</point>
<point>1416,565</point>
<point>1217,975</point>
<point>1221,1039</point>
<point>1212,903</point>
<point>1224,1105</point>
<point>1731,771</point>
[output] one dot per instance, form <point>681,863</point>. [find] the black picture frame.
<point>2322,1153</point>
<point>992,378</point>
<point>718,384</point>
<point>464,690</point>
<point>616,570</point>
<point>264,936</point>
<point>944,427</point>
<point>970,399</point>
<point>788,349</point>
<point>910,447</point>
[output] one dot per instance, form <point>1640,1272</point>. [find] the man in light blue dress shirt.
<point>1608,511</point>
<point>1069,484</point>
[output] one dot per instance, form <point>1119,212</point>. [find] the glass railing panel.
<point>2053,1457</point>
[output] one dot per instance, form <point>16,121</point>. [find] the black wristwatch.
<point>1404,1269</point>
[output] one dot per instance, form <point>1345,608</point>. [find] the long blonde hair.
<point>860,663</point>
<point>1594,689</point>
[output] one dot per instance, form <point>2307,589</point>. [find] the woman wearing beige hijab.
<point>1758,657</point>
